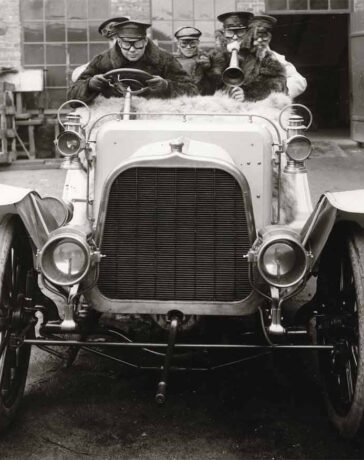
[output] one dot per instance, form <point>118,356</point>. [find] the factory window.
<point>59,35</point>
<point>169,15</point>
<point>307,6</point>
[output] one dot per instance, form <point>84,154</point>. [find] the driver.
<point>133,50</point>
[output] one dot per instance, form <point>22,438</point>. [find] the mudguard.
<point>330,209</point>
<point>35,213</point>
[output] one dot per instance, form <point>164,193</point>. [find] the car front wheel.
<point>340,323</point>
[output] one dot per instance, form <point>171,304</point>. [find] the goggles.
<point>230,33</point>
<point>126,44</point>
<point>188,43</point>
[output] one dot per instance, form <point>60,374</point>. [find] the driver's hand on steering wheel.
<point>98,83</point>
<point>157,84</point>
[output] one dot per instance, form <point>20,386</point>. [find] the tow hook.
<point>160,396</point>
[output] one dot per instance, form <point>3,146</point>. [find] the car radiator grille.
<point>175,234</point>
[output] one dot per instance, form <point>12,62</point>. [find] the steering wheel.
<point>122,79</point>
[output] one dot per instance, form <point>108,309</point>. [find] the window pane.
<point>161,9</point>
<point>31,9</point>
<point>55,32</point>
<point>183,9</point>
<point>54,9</point>
<point>77,9</point>
<point>56,54</point>
<point>166,46</point>
<point>99,9</point>
<point>33,54</point>
<point>319,5</point>
<point>98,48</point>
<point>33,32</point>
<point>222,6</point>
<point>299,4</point>
<point>208,30</point>
<point>93,29</point>
<point>77,54</point>
<point>162,30</point>
<point>77,31</point>
<point>204,9</point>
<point>276,4</point>
<point>340,4</point>
<point>56,76</point>
<point>55,98</point>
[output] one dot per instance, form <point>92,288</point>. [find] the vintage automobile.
<point>195,236</point>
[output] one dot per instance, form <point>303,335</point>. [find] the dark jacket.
<point>154,61</point>
<point>202,75</point>
<point>261,76</point>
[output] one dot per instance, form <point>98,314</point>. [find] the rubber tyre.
<point>13,240</point>
<point>345,243</point>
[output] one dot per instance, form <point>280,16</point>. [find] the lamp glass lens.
<point>279,259</point>
<point>69,258</point>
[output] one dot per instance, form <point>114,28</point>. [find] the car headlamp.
<point>70,143</point>
<point>298,148</point>
<point>65,258</point>
<point>282,261</point>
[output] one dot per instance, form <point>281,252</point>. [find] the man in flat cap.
<point>107,30</point>
<point>261,27</point>
<point>135,51</point>
<point>194,61</point>
<point>264,70</point>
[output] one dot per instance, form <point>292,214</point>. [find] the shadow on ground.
<point>270,409</point>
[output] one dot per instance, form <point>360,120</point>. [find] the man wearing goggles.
<point>264,70</point>
<point>135,51</point>
<point>106,29</point>
<point>194,61</point>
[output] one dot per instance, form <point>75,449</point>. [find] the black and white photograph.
<point>182,229</point>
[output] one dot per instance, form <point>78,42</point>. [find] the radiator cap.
<point>176,145</point>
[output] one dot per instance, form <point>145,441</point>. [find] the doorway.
<point>318,47</point>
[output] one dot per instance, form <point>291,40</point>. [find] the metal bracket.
<point>160,396</point>
<point>276,325</point>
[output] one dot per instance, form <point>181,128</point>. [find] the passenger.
<point>262,73</point>
<point>194,61</point>
<point>106,29</point>
<point>260,29</point>
<point>135,51</point>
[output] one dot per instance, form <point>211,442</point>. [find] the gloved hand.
<point>237,93</point>
<point>204,61</point>
<point>98,83</point>
<point>157,84</point>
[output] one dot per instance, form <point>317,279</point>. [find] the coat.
<point>201,74</point>
<point>154,61</point>
<point>261,76</point>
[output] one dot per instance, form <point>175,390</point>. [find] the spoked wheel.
<point>15,262</point>
<point>340,322</point>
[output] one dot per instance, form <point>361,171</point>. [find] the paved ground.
<point>271,409</point>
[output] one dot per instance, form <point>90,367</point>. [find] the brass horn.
<point>233,75</point>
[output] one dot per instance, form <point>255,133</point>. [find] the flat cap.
<point>188,32</point>
<point>235,19</point>
<point>131,29</point>
<point>263,20</point>
<point>106,29</point>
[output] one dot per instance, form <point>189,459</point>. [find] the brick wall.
<point>358,5</point>
<point>10,44</point>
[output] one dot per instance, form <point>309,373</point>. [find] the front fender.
<point>33,211</point>
<point>330,209</point>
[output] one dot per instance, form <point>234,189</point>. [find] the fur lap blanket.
<point>218,103</point>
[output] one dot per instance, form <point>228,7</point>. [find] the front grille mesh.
<point>175,234</point>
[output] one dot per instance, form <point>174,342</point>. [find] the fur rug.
<point>218,103</point>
